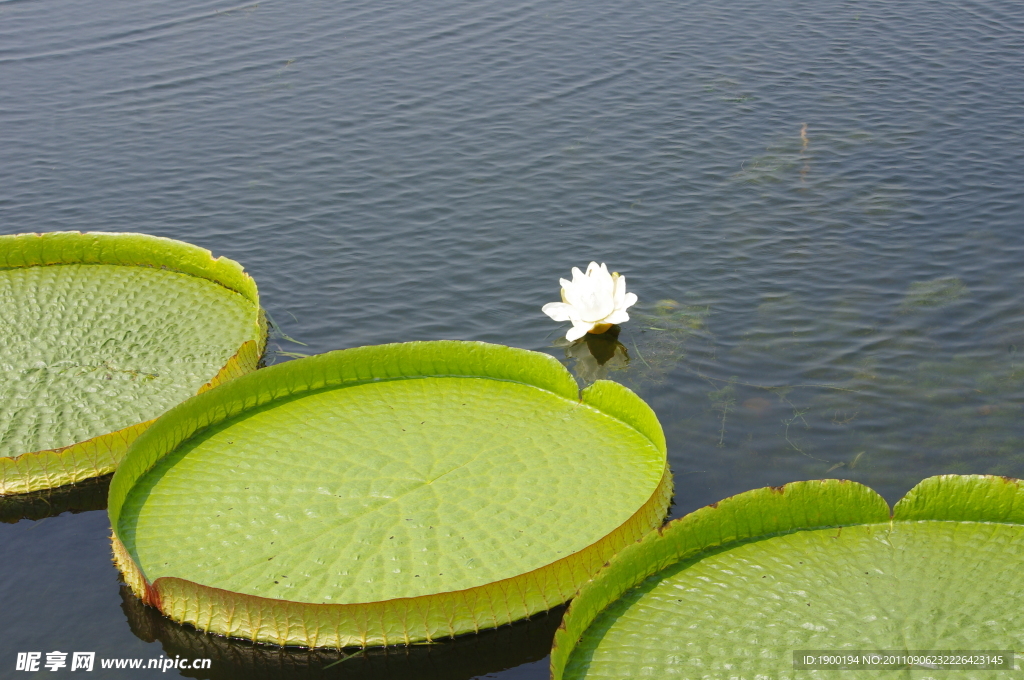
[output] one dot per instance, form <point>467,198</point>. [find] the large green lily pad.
<point>733,590</point>
<point>385,495</point>
<point>100,334</point>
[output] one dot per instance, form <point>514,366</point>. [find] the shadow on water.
<point>90,494</point>
<point>593,356</point>
<point>659,338</point>
<point>462,658</point>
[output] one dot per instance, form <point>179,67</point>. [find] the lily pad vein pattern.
<point>93,348</point>
<point>923,581</point>
<point>337,496</point>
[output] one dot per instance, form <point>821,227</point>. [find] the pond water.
<point>818,204</point>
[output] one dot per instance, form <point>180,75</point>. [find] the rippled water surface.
<point>818,204</point>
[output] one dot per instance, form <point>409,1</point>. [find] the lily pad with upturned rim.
<point>101,333</point>
<point>734,589</point>
<point>385,495</point>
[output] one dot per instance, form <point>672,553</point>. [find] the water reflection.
<point>463,658</point>
<point>660,335</point>
<point>594,356</point>
<point>90,494</point>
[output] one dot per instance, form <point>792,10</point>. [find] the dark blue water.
<point>818,204</point>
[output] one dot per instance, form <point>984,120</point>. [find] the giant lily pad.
<point>385,495</point>
<point>734,589</point>
<point>99,335</point>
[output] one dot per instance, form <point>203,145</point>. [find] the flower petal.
<point>603,282</point>
<point>630,300</point>
<point>578,292</point>
<point>594,307</point>
<point>559,311</point>
<point>618,316</point>
<point>578,331</point>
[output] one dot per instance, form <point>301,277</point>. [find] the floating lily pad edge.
<point>402,620</point>
<point>776,511</point>
<point>99,455</point>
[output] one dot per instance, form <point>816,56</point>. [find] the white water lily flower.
<point>594,301</point>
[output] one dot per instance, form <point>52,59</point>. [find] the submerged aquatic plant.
<point>593,302</point>
<point>932,294</point>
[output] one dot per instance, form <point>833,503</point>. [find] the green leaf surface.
<point>782,576</point>
<point>89,349</point>
<point>382,473</point>
<point>101,333</point>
